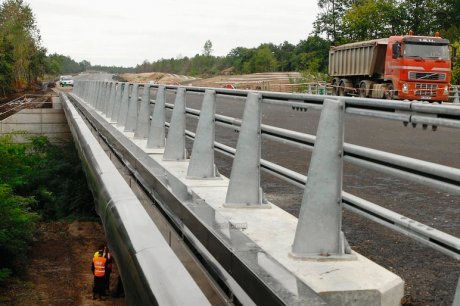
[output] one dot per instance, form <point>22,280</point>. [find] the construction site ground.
<point>58,270</point>
<point>271,81</point>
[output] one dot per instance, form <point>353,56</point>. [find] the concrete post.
<point>202,160</point>
<point>104,97</point>
<point>123,114</point>
<point>111,103</point>
<point>98,94</point>
<point>143,118</point>
<point>88,92</point>
<point>456,98</point>
<point>457,295</point>
<point>117,104</point>
<point>93,92</point>
<point>175,142</point>
<point>309,89</point>
<point>157,126</point>
<point>318,234</point>
<point>100,103</point>
<point>244,187</point>
<point>132,109</point>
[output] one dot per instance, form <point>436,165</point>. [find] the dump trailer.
<point>399,67</point>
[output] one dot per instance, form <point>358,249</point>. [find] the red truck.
<point>399,67</point>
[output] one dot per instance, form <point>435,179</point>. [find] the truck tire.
<point>389,92</point>
<point>362,90</point>
<point>335,86</point>
<point>346,86</point>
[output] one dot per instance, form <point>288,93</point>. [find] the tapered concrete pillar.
<point>132,109</point>
<point>175,142</point>
<point>244,188</point>
<point>318,234</point>
<point>202,160</point>
<point>457,295</point>
<point>143,118</point>
<point>123,114</point>
<point>101,102</point>
<point>105,94</point>
<point>98,90</point>
<point>156,137</point>
<point>117,104</point>
<point>111,101</point>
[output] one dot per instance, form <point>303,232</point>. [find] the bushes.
<point>37,180</point>
<point>17,224</point>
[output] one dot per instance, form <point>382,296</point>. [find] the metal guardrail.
<point>323,88</point>
<point>113,98</point>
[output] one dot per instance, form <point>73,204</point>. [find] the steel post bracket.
<point>117,104</point>
<point>202,160</point>
<point>143,118</point>
<point>318,235</point>
<point>132,109</point>
<point>244,188</point>
<point>175,142</point>
<point>111,102</point>
<point>156,137</point>
<point>123,114</point>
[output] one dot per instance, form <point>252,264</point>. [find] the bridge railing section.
<point>151,272</point>
<point>323,195</point>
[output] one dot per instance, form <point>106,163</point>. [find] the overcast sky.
<point>124,33</point>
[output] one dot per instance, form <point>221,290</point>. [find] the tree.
<point>263,60</point>
<point>20,40</point>
<point>207,48</point>
<point>359,22</point>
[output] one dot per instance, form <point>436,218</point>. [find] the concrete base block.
<point>142,143</point>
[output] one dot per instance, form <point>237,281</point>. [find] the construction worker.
<point>99,268</point>
<point>106,254</point>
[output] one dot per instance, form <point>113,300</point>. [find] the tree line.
<point>338,22</point>
<point>308,55</point>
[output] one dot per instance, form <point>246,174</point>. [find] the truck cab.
<point>418,68</point>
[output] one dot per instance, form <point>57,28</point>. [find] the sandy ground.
<point>270,81</point>
<point>156,77</point>
<point>59,267</point>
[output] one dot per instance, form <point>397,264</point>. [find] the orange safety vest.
<point>99,266</point>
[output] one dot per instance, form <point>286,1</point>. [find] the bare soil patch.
<point>59,268</point>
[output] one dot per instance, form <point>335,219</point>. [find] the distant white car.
<point>66,80</point>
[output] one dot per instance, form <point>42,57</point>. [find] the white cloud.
<point>125,33</point>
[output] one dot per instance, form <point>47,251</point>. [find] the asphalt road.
<point>430,276</point>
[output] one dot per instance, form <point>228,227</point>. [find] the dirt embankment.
<point>58,271</point>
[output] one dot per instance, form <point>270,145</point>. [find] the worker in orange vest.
<point>108,270</point>
<point>99,268</point>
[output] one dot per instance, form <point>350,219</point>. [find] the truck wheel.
<point>362,90</point>
<point>335,86</point>
<point>341,89</point>
<point>389,92</point>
